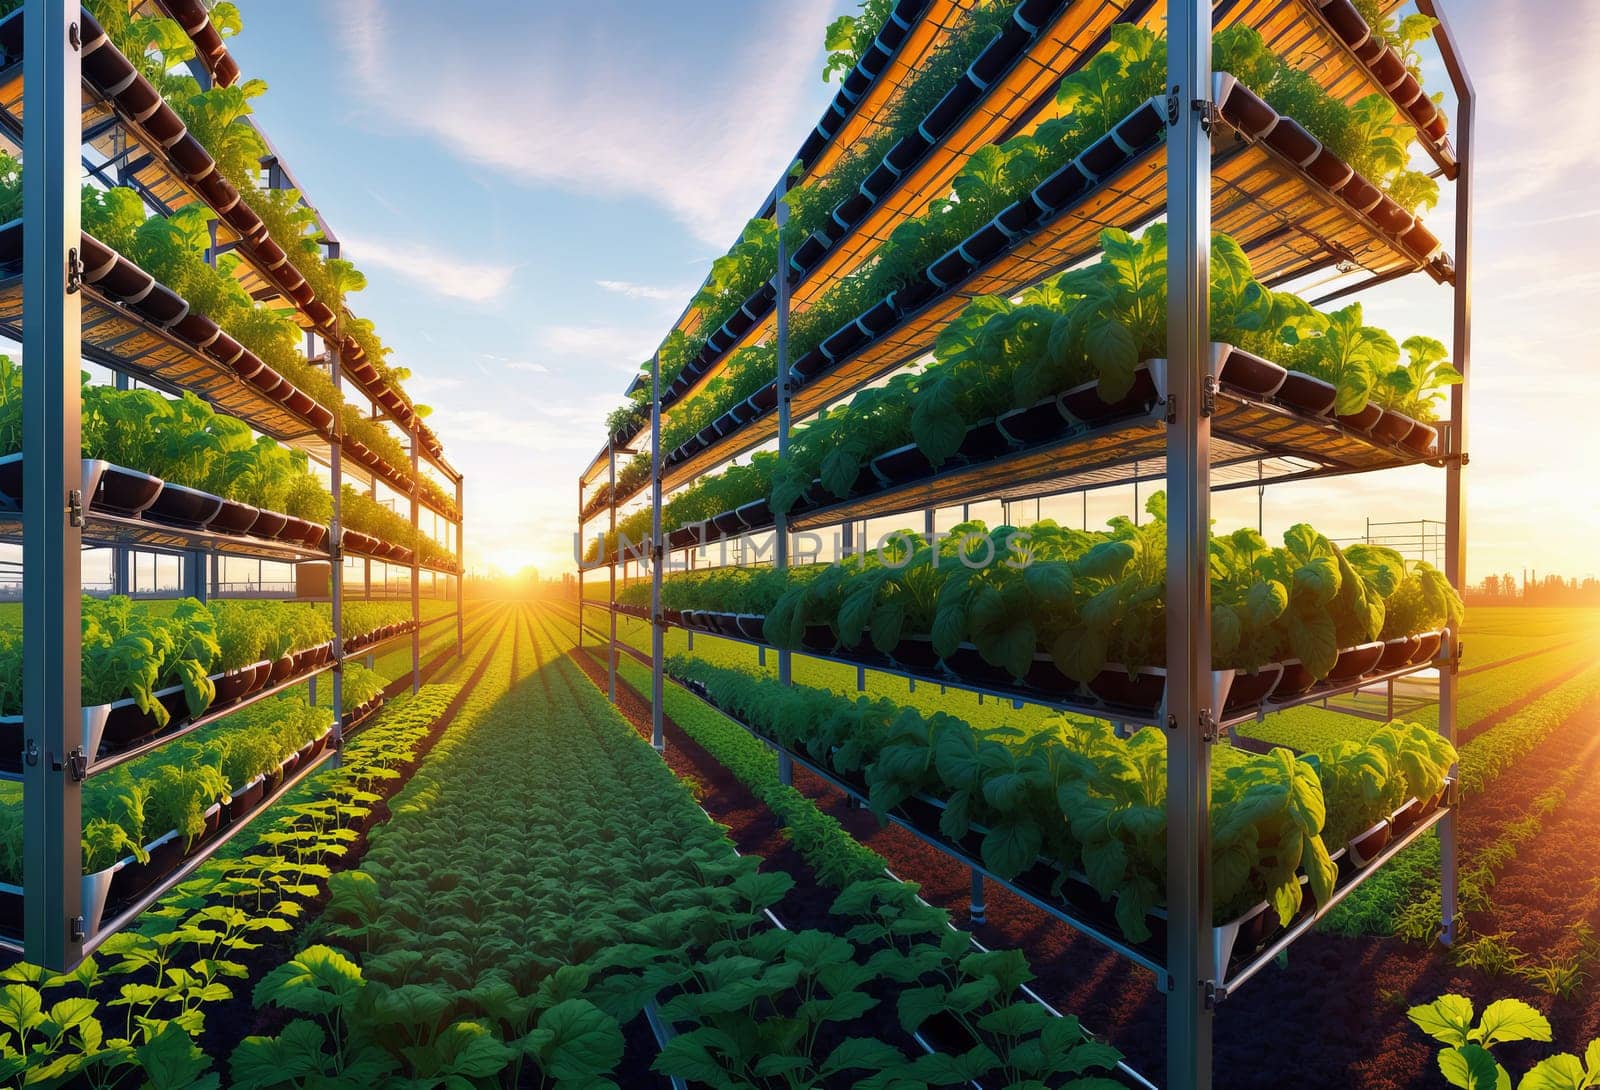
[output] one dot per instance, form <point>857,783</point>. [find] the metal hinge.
<point>1208,404</point>
<point>1172,721</point>
<point>1208,726</point>
<point>1171,402</point>
<point>1210,116</point>
<point>1172,107</point>
<point>78,765</point>
<point>74,272</point>
<point>1214,994</point>
<point>75,507</point>
<point>75,928</point>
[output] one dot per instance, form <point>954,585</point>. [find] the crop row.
<point>489,966</point>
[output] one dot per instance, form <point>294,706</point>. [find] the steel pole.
<point>416,564</point>
<point>52,856</point>
<point>581,550</point>
<point>1455,444</point>
<point>461,568</point>
<point>658,737</point>
<point>1190,722</point>
<point>336,534</point>
<point>611,648</point>
<point>780,523</point>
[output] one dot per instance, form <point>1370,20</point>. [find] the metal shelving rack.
<point>1197,442</point>
<point>72,132</point>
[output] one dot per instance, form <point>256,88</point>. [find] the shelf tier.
<point>1151,954</point>
<point>1020,694</point>
<point>131,155</point>
<point>1254,441</point>
<point>1288,222</point>
<point>119,337</point>
<point>1299,29</point>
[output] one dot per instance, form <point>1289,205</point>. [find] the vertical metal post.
<point>1190,719</point>
<point>1455,448</point>
<point>461,568</point>
<point>335,350</point>
<point>582,548</point>
<point>416,562</point>
<point>611,611</point>
<point>976,909</point>
<point>780,523</point>
<point>658,737</point>
<point>52,856</point>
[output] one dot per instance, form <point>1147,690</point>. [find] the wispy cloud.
<point>655,293</point>
<point>525,365</point>
<point>446,274</point>
<point>600,344</point>
<point>608,112</point>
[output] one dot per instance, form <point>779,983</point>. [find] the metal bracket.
<point>75,928</point>
<point>1210,115</point>
<point>1208,727</point>
<point>75,507</point>
<point>1172,107</point>
<point>1214,994</point>
<point>77,764</point>
<point>1208,405</point>
<point>1171,402</point>
<point>74,271</point>
<point>1172,721</point>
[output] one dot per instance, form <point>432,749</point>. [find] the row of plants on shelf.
<point>1091,327</point>
<point>184,442</point>
<point>1368,135</point>
<point>1092,804</point>
<point>158,664</point>
<point>136,1012</point>
<point>173,249</point>
<point>1093,602</point>
<point>752,261</point>
<point>218,118</point>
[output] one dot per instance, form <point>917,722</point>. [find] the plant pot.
<point>843,341</point>
<point>273,778</point>
<point>1046,677</point>
<point>750,626</point>
<point>912,297</point>
<point>1310,395</point>
<point>234,518</point>
<point>819,638</point>
<point>180,506</point>
<point>1290,140</point>
<point>1330,171</point>
<point>1296,681</point>
<point>1036,423</point>
<point>968,664</point>
<point>950,269</point>
<point>848,212</point>
<point>1250,690</point>
<point>126,725</point>
<point>260,672</point>
<point>808,367</point>
<point>247,798</point>
<point>916,654</point>
<point>1361,194</point>
<point>1422,439</point>
<point>282,669</point>
<point>1084,402</point>
<point>765,399</point>
<point>1404,819</point>
<point>1428,644</point>
<point>1142,694</point>
<point>117,490</point>
<point>1018,218</point>
<point>727,523</point>
<point>1355,663</point>
<point>269,524</point>
<point>1393,427</point>
<point>1103,157</point>
<point>1398,652</point>
<point>233,687</point>
<point>1364,420</point>
<point>899,466</point>
<point>944,115</point>
<point>1422,242</point>
<point>755,515</point>
<point>1248,372</point>
<point>1364,847</point>
<point>984,441</point>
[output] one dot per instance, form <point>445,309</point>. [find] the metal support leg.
<point>461,583</point>
<point>611,569</point>
<point>416,570</point>
<point>52,858</point>
<point>1455,506</point>
<point>581,549</point>
<point>780,523</point>
<point>335,534</point>
<point>658,737</point>
<point>1190,721</point>
<point>975,909</point>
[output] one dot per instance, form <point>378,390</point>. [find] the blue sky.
<point>535,189</point>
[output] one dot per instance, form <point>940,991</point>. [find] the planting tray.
<point>1113,694</point>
